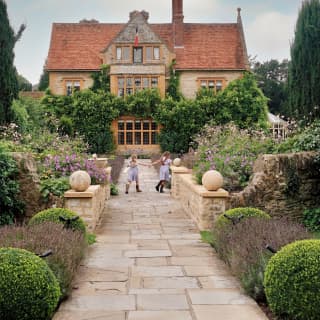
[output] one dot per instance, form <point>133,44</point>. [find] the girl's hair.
<point>165,154</point>
<point>134,156</point>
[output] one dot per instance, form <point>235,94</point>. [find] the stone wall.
<point>57,80</point>
<point>282,185</point>
<point>29,183</point>
<point>203,206</point>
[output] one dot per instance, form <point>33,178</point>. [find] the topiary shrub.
<point>53,215</point>
<point>292,283</point>
<point>233,216</point>
<point>29,289</point>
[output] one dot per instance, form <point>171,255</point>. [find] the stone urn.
<point>80,180</point>
<point>100,163</point>
<point>177,162</point>
<point>212,180</point>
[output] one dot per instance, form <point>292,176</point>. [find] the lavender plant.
<point>231,151</point>
<point>64,165</point>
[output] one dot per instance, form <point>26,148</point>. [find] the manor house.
<point>140,54</point>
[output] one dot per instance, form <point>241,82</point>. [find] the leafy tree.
<point>245,102</point>
<point>44,81</point>
<point>9,87</point>
<point>24,84</point>
<point>180,122</point>
<point>272,79</point>
<point>304,75</point>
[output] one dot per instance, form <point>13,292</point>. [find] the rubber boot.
<point>137,188</point>
<point>127,188</point>
<point>158,186</point>
<point>161,188</point>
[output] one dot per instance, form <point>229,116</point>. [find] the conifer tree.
<point>304,74</point>
<point>9,87</point>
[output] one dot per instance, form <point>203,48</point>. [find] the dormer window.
<point>137,55</point>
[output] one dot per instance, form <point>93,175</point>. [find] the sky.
<point>268,24</point>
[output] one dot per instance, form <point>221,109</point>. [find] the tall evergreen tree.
<point>304,74</point>
<point>44,81</point>
<point>9,87</point>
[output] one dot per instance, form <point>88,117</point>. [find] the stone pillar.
<point>87,204</point>
<point>212,204</point>
<point>175,184</point>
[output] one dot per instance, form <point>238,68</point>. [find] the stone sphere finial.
<point>212,180</point>
<point>177,162</point>
<point>80,180</point>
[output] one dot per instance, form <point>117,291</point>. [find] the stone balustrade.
<point>202,205</point>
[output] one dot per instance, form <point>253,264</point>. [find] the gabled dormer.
<point>137,44</point>
<point>139,59</point>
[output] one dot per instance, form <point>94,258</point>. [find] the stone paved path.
<point>149,264</point>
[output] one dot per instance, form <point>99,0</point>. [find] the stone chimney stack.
<point>177,22</point>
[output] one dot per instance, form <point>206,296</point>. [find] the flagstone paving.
<point>149,263</point>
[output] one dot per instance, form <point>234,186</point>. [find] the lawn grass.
<point>207,236</point>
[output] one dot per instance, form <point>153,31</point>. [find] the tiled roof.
<point>78,46</point>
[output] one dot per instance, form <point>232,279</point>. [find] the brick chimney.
<point>177,22</point>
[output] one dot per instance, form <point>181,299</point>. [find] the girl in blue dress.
<point>133,172</point>
<point>165,162</point>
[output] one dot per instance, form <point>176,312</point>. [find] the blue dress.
<point>133,171</point>
<point>164,170</point>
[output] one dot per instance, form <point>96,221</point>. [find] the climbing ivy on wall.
<point>91,112</point>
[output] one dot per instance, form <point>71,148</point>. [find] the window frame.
<point>153,83</point>
<point>73,87</point>
<point>140,136</point>
<point>120,54</point>
<point>135,50</point>
<point>214,80</point>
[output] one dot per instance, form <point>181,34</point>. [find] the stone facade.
<point>189,84</point>
<point>202,205</point>
<point>57,80</point>
<point>282,185</point>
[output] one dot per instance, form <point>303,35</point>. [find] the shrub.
<point>29,289</point>
<point>53,215</point>
<point>311,219</point>
<point>231,151</point>
<point>243,248</point>
<point>10,205</point>
<point>67,247</point>
<point>114,191</point>
<point>55,186</point>
<point>235,215</point>
<point>292,280</point>
<point>305,139</point>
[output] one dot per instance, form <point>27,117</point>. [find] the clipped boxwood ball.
<point>28,288</point>
<point>292,281</point>
<point>53,215</point>
<point>237,214</point>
